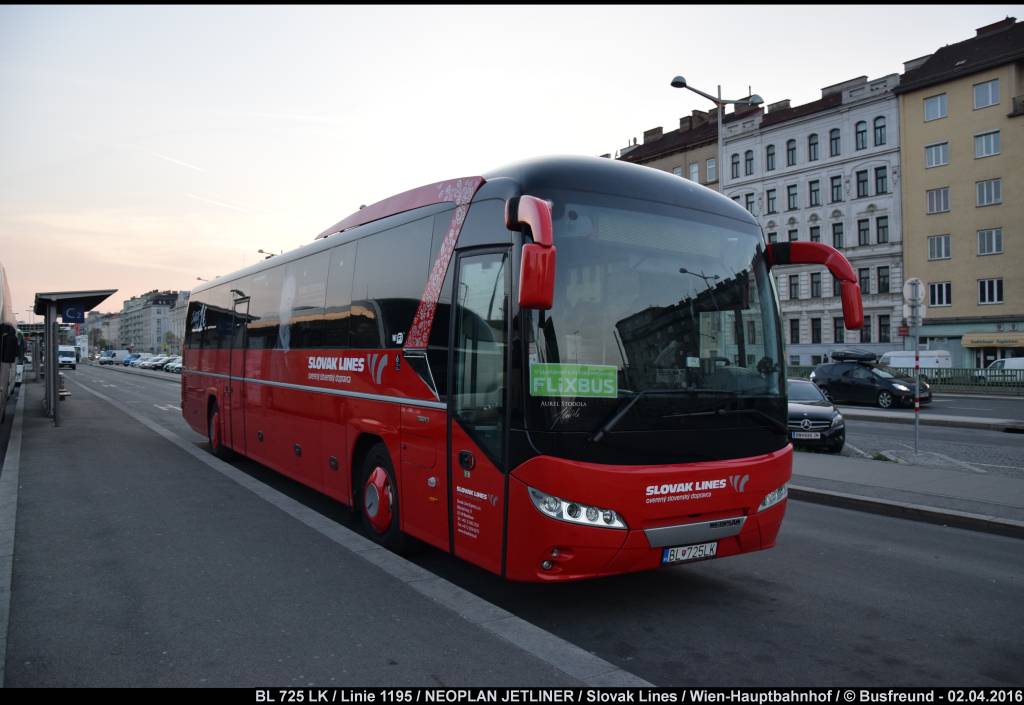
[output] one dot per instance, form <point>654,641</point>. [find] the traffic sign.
<point>904,331</point>
<point>72,313</point>
<point>913,291</point>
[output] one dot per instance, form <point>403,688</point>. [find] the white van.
<point>1005,369</point>
<point>66,356</point>
<point>930,359</point>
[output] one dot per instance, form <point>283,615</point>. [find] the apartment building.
<point>146,319</point>
<point>828,172</point>
<point>962,131</point>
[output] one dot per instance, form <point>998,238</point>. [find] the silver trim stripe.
<point>699,532</point>
<point>335,392</point>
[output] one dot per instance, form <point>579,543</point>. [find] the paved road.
<point>978,407</point>
<point>845,598</point>
<point>970,450</point>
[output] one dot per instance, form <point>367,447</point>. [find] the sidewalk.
<point>983,502</point>
<point>141,560</point>
<point>930,419</point>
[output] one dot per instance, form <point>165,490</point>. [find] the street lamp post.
<point>750,101</point>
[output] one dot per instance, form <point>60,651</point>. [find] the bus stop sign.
<point>72,313</point>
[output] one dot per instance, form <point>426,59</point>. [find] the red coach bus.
<point>563,369</point>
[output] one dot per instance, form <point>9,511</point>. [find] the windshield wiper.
<point>722,411</point>
<point>618,415</point>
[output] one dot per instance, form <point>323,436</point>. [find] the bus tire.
<point>213,435</point>
<point>378,500</point>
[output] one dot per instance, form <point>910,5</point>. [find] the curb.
<point>1008,425</point>
<point>142,373</point>
<point>915,512</point>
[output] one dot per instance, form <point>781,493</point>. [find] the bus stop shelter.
<point>71,306</point>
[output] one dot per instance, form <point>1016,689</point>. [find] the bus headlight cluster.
<point>575,512</point>
<point>774,497</point>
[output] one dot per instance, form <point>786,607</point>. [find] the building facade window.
<point>864,277</point>
<point>837,235</point>
<point>794,286</point>
<point>936,155</point>
<point>864,232</point>
<point>862,183</point>
<point>735,166</point>
<point>748,162</point>
<point>882,228</point>
<point>940,294</point>
<point>861,135</point>
<point>986,94</point>
<point>938,247</point>
<point>815,233</point>
<point>770,200</point>
<point>815,330</point>
<point>751,333</point>
<point>938,200</point>
<point>773,237</point>
<point>879,131</point>
<point>812,148</point>
<point>769,158</point>
<point>838,330</point>
<point>837,287</point>
<point>793,235</point>
<point>883,329</point>
<point>990,241</point>
<point>990,291</point>
<point>794,331</point>
<point>986,145</point>
<point>881,180</point>
<point>711,169</point>
<point>815,285</point>
<point>837,189</point>
<point>990,192</point>
<point>791,153</point>
<point>865,332</point>
<point>748,202</point>
<point>814,193</point>
<point>791,197</point>
<point>883,280</point>
<point>833,142</point>
<point>677,170</point>
<point>935,107</point>
<point>695,172</point>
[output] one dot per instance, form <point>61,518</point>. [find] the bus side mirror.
<point>779,253</point>
<point>537,265</point>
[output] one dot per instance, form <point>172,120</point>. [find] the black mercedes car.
<point>814,421</point>
<point>857,377</point>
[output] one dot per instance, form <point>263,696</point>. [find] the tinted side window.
<point>217,318</point>
<point>485,225</point>
<point>302,301</point>
<point>264,307</point>
<point>339,296</point>
<point>391,273</point>
<point>195,322</point>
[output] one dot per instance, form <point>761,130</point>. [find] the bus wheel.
<point>379,497</point>
<point>213,433</point>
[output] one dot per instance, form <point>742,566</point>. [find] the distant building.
<point>177,321</point>
<point>690,151</point>
<point>145,321</point>
<point>102,327</point>
<point>962,130</point>
<point>827,172</point>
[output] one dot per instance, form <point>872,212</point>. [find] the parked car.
<point>140,359</point>
<point>154,363</point>
<point>814,421</point>
<point>174,367</point>
<point>930,360</point>
<point>170,361</point>
<point>130,359</point>
<point>1003,370</point>
<point>857,377</point>
<point>66,356</point>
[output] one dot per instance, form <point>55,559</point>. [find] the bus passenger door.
<point>236,369</point>
<point>477,407</point>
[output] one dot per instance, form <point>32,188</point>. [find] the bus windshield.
<point>667,303</point>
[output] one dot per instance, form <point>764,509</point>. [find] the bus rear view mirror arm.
<point>537,265</point>
<point>779,253</point>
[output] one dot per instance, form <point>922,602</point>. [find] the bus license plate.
<point>806,434</point>
<point>681,554</point>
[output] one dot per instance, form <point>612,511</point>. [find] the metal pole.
<point>54,363</point>
<point>915,312</point>
<point>721,143</point>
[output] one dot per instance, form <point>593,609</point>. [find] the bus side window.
<point>264,304</point>
<point>306,287</point>
<point>339,296</point>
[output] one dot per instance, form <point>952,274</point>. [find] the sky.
<point>144,147</point>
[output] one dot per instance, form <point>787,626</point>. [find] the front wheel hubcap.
<point>377,500</point>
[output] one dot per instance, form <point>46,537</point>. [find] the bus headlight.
<point>575,512</point>
<point>774,497</point>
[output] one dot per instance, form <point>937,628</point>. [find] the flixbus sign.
<point>573,380</point>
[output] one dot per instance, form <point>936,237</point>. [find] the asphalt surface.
<point>844,598</point>
<point>956,405</point>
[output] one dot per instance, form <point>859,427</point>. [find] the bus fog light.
<point>774,497</point>
<point>575,512</point>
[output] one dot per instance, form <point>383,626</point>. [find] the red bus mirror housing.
<point>537,266</point>
<point>779,253</point>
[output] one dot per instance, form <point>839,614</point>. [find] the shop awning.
<point>997,339</point>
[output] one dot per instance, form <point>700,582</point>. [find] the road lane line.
<point>539,643</point>
<point>857,450</point>
<point>8,520</point>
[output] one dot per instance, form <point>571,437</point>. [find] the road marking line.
<point>1009,467</point>
<point>857,450</point>
<point>945,457</point>
<point>8,520</point>
<point>539,643</point>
